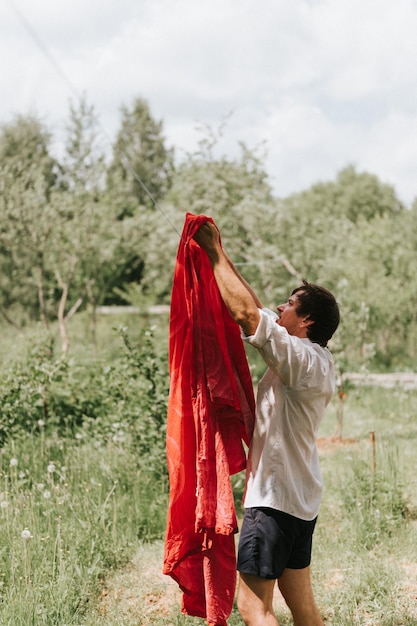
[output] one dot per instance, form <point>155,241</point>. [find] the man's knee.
<point>295,586</point>
<point>243,606</point>
<point>254,601</point>
<point>245,602</point>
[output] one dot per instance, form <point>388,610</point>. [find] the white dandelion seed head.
<point>51,468</point>
<point>41,423</point>
<point>46,494</point>
<point>25,534</point>
<point>13,462</point>
<point>78,436</point>
<point>40,486</point>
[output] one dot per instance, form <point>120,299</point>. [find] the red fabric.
<point>210,411</point>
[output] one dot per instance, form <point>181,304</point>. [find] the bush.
<point>125,402</point>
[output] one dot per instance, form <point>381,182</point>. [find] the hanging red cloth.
<point>210,411</point>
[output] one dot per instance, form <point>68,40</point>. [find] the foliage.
<point>142,166</point>
<point>124,402</point>
<point>374,501</point>
<point>68,517</point>
<point>83,472</point>
<point>351,236</point>
<point>81,231</point>
<point>28,175</point>
<point>355,581</point>
<point>232,191</point>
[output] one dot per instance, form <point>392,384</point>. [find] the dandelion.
<point>51,468</point>
<point>78,436</point>
<point>26,534</point>
<point>46,494</point>
<point>13,462</point>
<point>22,474</point>
<point>40,486</point>
<point>41,423</point>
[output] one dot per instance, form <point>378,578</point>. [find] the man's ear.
<point>306,322</point>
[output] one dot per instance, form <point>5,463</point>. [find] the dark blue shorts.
<point>271,540</point>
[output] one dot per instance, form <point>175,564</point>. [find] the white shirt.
<point>283,469</point>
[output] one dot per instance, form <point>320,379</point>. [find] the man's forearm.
<point>237,295</point>
<point>245,283</point>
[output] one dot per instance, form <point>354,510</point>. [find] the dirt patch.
<point>328,444</point>
<point>140,593</point>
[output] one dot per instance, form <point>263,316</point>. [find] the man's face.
<point>296,325</point>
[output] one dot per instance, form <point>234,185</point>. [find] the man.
<point>283,480</point>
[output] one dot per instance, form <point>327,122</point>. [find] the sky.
<point>314,85</point>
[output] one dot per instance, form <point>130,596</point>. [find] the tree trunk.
<point>41,300</point>
<point>63,301</point>
<point>61,319</point>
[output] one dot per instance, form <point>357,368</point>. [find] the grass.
<point>71,512</point>
<point>365,552</point>
<point>82,522</point>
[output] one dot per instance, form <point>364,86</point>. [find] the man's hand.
<point>208,238</point>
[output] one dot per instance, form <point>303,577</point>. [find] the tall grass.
<point>366,539</point>
<point>83,493</point>
<point>70,512</point>
<point>82,473</point>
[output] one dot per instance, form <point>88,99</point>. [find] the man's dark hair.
<point>320,306</point>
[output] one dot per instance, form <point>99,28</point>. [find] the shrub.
<point>125,402</point>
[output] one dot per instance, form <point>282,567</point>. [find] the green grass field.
<point>82,518</point>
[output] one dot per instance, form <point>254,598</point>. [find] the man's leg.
<point>295,586</point>
<point>254,600</point>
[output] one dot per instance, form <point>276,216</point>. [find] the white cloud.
<point>324,83</point>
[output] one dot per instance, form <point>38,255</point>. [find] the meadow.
<point>83,489</point>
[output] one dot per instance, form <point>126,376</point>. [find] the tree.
<point>86,229</point>
<point>96,251</point>
<point>140,159</point>
<point>28,175</point>
<point>233,192</point>
<point>349,235</point>
<point>92,246</point>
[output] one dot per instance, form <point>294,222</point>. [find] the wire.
<point>125,161</point>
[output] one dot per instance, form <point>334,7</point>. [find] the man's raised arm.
<point>237,294</point>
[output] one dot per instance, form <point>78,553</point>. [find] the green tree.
<point>141,161</point>
<point>87,232</point>
<point>28,176</point>
<point>234,192</point>
<point>347,235</point>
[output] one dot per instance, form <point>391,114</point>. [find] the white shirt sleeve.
<point>289,357</point>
